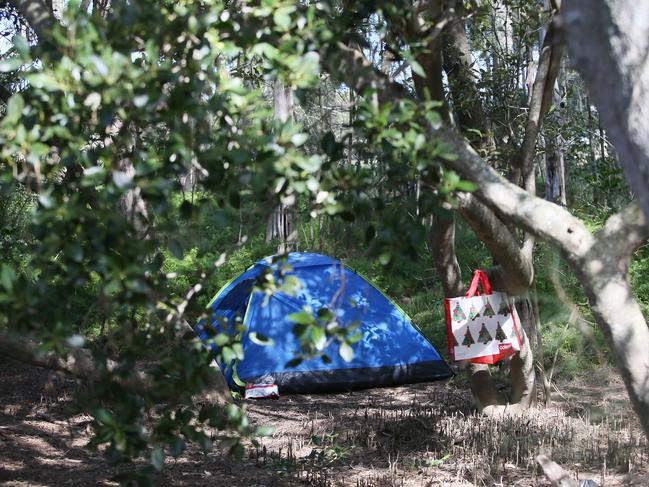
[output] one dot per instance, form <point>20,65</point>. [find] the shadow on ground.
<point>419,435</point>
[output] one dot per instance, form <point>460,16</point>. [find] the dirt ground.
<point>419,435</point>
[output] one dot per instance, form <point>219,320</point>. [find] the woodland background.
<point>151,151</point>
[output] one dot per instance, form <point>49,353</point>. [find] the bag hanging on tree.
<point>481,328</point>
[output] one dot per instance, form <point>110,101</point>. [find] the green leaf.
<point>299,139</point>
<point>15,108</point>
<point>113,287</point>
<point>177,447</point>
<point>259,339</point>
<point>104,417</point>
<point>467,186</point>
<point>140,100</point>
<point>384,258</point>
<point>346,352</point>
<point>417,69</point>
<point>282,17</point>
<point>235,377</point>
<point>294,362</point>
<point>21,44</point>
<point>319,338</point>
<point>8,65</point>
<point>302,318</point>
<point>354,338</point>
<point>76,341</point>
<point>7,277</point>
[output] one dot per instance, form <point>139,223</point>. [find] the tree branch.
<point>538,216</point>
<point>546,75</point>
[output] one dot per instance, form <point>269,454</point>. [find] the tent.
<point>391,351</point>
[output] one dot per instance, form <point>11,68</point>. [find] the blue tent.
<point>391,351</point>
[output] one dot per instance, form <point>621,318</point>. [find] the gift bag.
<point>481,327</point>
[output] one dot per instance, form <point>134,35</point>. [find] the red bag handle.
<point>479,277</point>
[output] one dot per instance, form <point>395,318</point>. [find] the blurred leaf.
<point>302,317</point>
<point>7,277</point>
<point>319,337</point>
<point>293,362</point>
<point>346,352</point>
<point>157,458</point>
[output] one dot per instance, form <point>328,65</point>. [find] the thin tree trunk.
<point>281,225</point>
<point>442,242</point>
<point>555,171</point>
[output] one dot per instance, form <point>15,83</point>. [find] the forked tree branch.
<point>514,273</point>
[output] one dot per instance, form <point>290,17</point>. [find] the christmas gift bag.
<point>481,327</point>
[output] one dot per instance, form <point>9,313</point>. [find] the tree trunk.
<point>442,243</point>
<point>555,177</point>
<point>280,225</point>
<point>608,45</point>
<point>458,65</point>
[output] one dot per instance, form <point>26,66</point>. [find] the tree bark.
<point>555,171</point>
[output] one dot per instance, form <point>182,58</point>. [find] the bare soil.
<point>419,435</point>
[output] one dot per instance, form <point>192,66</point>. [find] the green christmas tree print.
<point>484,337</point>
<point>473,313</point>
<point>504,307</point>
<point>500,334</point>
<point>488,310</point>
<point>468,339</point>
<point>458,314</point>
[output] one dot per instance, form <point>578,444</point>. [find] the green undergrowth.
<point>217,245</point>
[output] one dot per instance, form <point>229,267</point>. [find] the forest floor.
<point>419,435</point>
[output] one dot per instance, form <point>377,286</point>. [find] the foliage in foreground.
<point>95,147</point>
